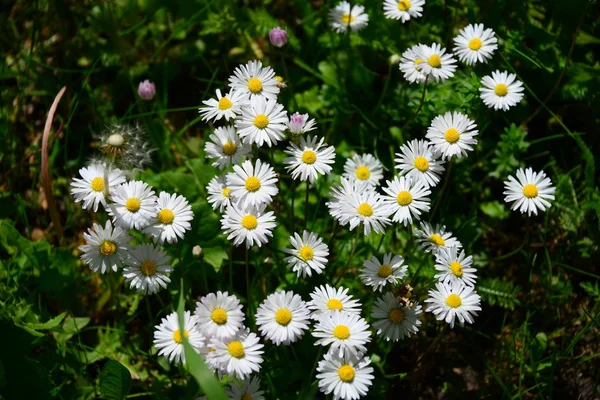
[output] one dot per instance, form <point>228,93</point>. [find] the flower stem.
<point>306,206</point>
<point>439,198</point>
<point>421,102</point>
<point>349,258</point>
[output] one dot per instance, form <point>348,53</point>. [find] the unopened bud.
<point>278,37</point>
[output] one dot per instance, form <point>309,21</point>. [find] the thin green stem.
<point>349,258</point>
<point>421,102</point>
<point>440,194</point>
<point>306,201</point>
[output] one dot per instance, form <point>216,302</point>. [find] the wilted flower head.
<point>125,146</point>
<point>278,37</point>
<point>300,124</point>
<point>147,90</point>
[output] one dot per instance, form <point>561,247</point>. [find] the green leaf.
<point>495,209</point>
<point>115,380</point>
<point>51,324</point>
<point>215,257</point>
<point>70,327</point>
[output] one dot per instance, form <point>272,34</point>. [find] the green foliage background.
<point>70,333</point>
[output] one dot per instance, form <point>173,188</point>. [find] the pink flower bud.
<point>278,37</point>
<point>147,90</point>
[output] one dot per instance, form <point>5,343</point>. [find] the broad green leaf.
<point>115,380</point>
<point>50,324</point>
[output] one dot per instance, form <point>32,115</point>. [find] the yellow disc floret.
<point>261,121</point>
<point>229,148</point>
<point>434,61</point>
<point>224,104</point>
<point>255,85</point>
<point>501,90</point>
<point>347,18</point>
<point>283,316</point>
<point>421,163</point>
<point>530,191</point>
<point>437,240</point>
<point>396,315</point>
<point>219,316</point>
<point>252,184</point>
<point>453,300</point>
<point>365,210</point>
<point>177,336</point>
<point>165,216</point>
<point>309,157</point>
<point>335,304</point>
<point>225,192</point>
<point>452,135</point>
<point>97,184</point>
<point>108,248</point>
<point>236,349</point>
<point>148,267</point>
<point>404,198</point>
<point>132,204</point>
<point>249,222</point>
<point>363,173</point>
<point>403,5</point>
<point>456,268</point>
<point>475,44</point>
<point>346,373</point>
<point>306,253</point>
<point>384,271</point>
<point>341,332</point>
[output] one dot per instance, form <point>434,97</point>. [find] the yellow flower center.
<point>249,222</point>
<point>177,336</point>
<point>404,198</point>
<point>219,316</point>
<point>108,248</point>
<point>363,173</point>
<point>341,332</point>
<point>148,267</point>
<point>384,271</point>
<point>225,104</point>
<point>309,157</point>
<point>236,349</point>
<point>261,121</point>
<point>421,163</point>
<point>97,184</point>
<point>365,210</point>
<point>279,78</point>
<point>501,90</point>
<point>403,5</point>
<point>346,373</point>
<point>453,300</point>
<point>132,204</point>
<point>306,253</point>
<point>437,240</point>
<point>347,18</point>
<point>247,396</point>
<point>452,135</point>
<point>255,85</point>
<point>283,316</point>
<point>252,184</point>
<point>165,216</point>
<point>435,61</point>
<point>335,304</point>
<point>417,62</point>
<point>225,192</point>
<point>396,315</point>
<point>456,268</point>
<point>229,148</point>
<point>530,191</point>
<point>475,44</point>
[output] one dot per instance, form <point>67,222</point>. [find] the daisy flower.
<point>366,207</point>
<point>253,81</point>
<point>344,16</point>
<point>348,376</point>
<point>345,332</point>
<point>309,253</point>
<point>454,266</point>
<point>309,159</point>
<point>219,315</point>
<point>326,300</point>
<point>105,248</point>
<point>410,65</point>
<point>238,356</point>
<point>501,90</point>
<point>364,169</point>
<point>134,205</point>
<point>340,195</point>
<point>247,389</point>
<point>474,44</point>
<point>168,339</point>
<point>263,122</point>
<point>299,124</point>
<point>173,216</point>
<point>529,191</point>
<point>453,300</point>
<point>282,318</point>
<point>250,225</point>
<point>252,185</point>
<point>452,134</point>
<point>93,186</point>
<point>407,198</point>
<point>226,107</point>
<point>436,62</point>
<point>417,161</point>
<point>403,9</point>
<point>147,269</point>
<point>379,274</point>
<point>219,195</point>
<point>433,240</point>
<point>395,321</point>
<point>226,148</point>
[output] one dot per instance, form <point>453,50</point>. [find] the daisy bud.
<point>278,37</point>
<point>197,251</point>
<point>147,90</point>
<point>300,124</point>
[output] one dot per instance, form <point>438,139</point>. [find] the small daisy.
<point>452,134</point>
<point>454,266</point>
<point>436,62</point>
<point>106,248</point>
<point>134,205</point>
<point>378,274</point>
<point>263,122</point>
<point>252,185</point>
<point>300,124</point>
<point>247,389</point>
<point>453,300</point>
<point>364,169</point>
<point>344,17</point>
<point>395,321</point>
<point>501,90</point>
<point>173,216</point>
<point>340,195</point>
<point>403,9</point>
<point>309,253</point>
<point>417,161</point>
<point>253,81</point>
<point>94,185</point>
<point>348,376</point>
<point>407,198</point>
<point>474,44</point>
<point>282,318</point>
<point>410,65</point>
<point>226,107</point>
<point>219,315</point>
<point>219,195</point>
<point>169,341</point>
<point>366,207</point>
<point>345,332</point>
<point>309,159</point>
<point>147,269</point>
<point>238,356</point>
<point>529,191</point>
<point>249,225</point>
<point>226,148</point>
<point>433,240</point>
<point>326,300</point>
